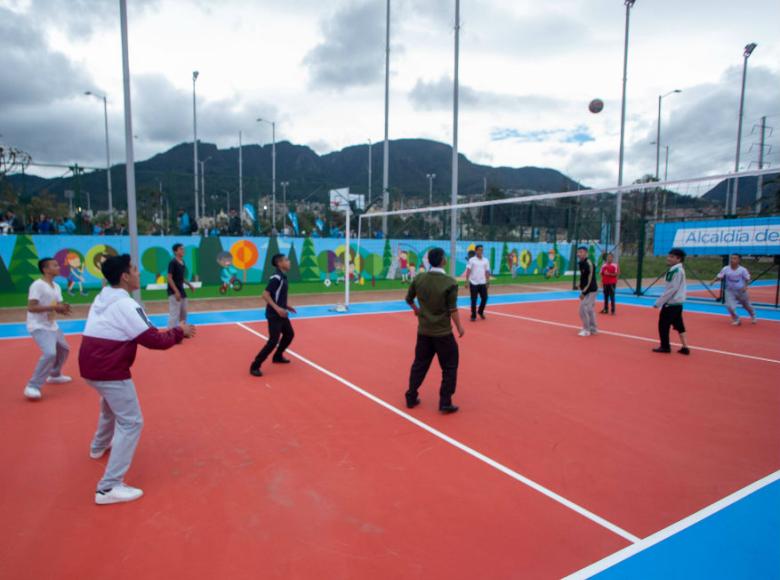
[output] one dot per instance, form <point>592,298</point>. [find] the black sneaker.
<point>482,316</point>
<point>255,371</point>
<point>473,319</point>
<point>280,360</point>
<point>663,350</point>
<point>605,311</point>
<point>412,403</point>
<point>685,350</point>
<point>448,409</point>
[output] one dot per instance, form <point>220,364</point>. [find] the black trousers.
<point>446,349</point>
<point>481,291</point>
<point>277,328</point>
<point>670,316</point>
<point>609,296</point>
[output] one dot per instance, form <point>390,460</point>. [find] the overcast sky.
<point>528,71</point>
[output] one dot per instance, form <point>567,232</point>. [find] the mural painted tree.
<point>372,266</point>
<point>294,275</point>
<point>310,271</point>
<point>191,261</point>
<point>208,269</point>
<point>387,258</point>
<point>504,267</point>
<point>155,261</point>
<point>24,263</point>
<point>493,258</point>
<point>273,248</point>
<point>6,283</point>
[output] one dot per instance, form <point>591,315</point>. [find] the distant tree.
<point>273,248</point>
<point>387,258</point>
<point>504,266</point>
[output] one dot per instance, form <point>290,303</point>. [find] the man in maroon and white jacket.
<point>116,325</point>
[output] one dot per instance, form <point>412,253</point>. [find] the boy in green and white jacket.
<point>671,302</point>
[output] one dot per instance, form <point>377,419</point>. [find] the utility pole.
<point>386,153</point>
<point>761,145</point>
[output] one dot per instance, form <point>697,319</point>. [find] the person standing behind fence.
<point>177,297</point>
<point>671,303</point>
<point>477,281</point>
<point>609,279</point>
<point>736,279</point>
<point>589,289</point>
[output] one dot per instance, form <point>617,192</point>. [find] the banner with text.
<point>751,236</point>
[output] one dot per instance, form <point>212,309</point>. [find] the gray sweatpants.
<point>119,426</point>
<point>55,352</point>
<point>177,311</point>
<point>588,312</point>
<point>738,296</point>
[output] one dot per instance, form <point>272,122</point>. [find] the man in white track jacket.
<point>116,325</point>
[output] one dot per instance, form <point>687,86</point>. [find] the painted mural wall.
<point>231,262</point>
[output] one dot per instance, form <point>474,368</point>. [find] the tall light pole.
<point>195,143</point>
<point>430,177</point>
<point>619,202</point>
<point>240,182</point>
<point>132,218</point>
<point>386,153</point>
<point>370,184</point>
<point>273,168</point>
<point>108,156</point>
<point>285,185</point>
<point>203,185</point>
<point>658,134</point>
<point>454,194</point>
<point>748,51</point>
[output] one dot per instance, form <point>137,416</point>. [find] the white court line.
<point>675,528</point>
<point>465,448</point>
<point>634,337</point>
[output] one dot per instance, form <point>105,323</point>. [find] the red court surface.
<point>295,475</point>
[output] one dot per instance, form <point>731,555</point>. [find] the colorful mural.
<point>231,262</point>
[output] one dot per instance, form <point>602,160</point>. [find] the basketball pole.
<point>132,218</point>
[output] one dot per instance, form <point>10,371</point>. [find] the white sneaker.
<point>119,494</point>
<point>736,322</point>
<point>32,393</point>
<point>753,319</point>
<point>584,333</point>
<point>98,454</point>
<point>59,379</point>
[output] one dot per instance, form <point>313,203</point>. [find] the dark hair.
<point>42,263</point>
<point>114,267</point>
<point>435,257</point>
<point>176,247</point>
<point>582,248</point>
<point>680,253</point>
<point>737,255</point>
<point>478,246</point>
<point>275,259</point>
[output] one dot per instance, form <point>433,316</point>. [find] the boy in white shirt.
<point>477,280</point>
<point>736,279</point>
<point>44,302</point>
<point>671,303</point>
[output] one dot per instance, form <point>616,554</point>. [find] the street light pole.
<point>748,51</point>
<point>284,185</point>
<point>619,202</point>
<point>386,153</point>
<point>658,134</point>
<point>454,193</point>
<point>431,177</point>
<point>132,218</point>
<point>273,169</point>
<point>195,143</point>
<point>108,156</point>
<point>203,185</point>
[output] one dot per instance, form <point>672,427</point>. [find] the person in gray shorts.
<point>735,279</point>
<point>115,326</point>
<point>589,289</point>
<point>177,297</point>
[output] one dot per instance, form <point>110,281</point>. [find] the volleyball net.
<point>533,236</point>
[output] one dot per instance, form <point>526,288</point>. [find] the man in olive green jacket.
<point>437,294</point>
